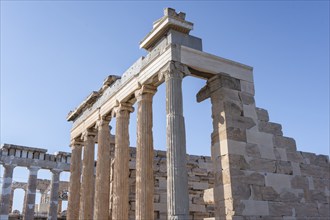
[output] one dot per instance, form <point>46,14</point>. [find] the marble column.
<point>25,193</point>
<point>6,190</point>
<point>145,154</point>
<point>177,180</point>
<point>59,207</point>
<point>121,169</point>
<point>11,200</point>
<point>102,179</point>
<point>87,183</point>
<point>53,200</point>
<point>74,185</point>
<point>30,199</point>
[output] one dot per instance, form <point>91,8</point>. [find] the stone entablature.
<point>25,156</point>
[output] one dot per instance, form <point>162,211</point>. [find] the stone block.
<point>299,182</point>
<point>198,201</point>
<point>252,150</point>
<point>285,142</point>
<point>232,133</point>
<point>269,194</point>
<point>262,114</point>
<point>196,208</point>
<point>321,183</point>
<point>233,161</point>
<point>278,181</point>
<point>200,185</point>
<point>246,98</point>
<point>317,160</point>
<point>289,197</point>
<point>262,165</point>
<point>295,168</point>
<point>314,171</point>
<point>249,111</point>
<point>257,208</point>
<point>247,87</point>
<point>260,138</point>
<point>18,153</point>
<point>279,209</point>
<point>253,178</point>
<point>228,146</point>
<point>267,152</point>
<point>319,196</point>
<point>208,196</point>
<point>240,190</point>
<point>270,127</point>
<point>295,156</point>
<point>284,167</point>
<point>280,154</point>
<point>199,171</point>
<point>324,210</point>
<point>306,209</point>
<point>161,207</point>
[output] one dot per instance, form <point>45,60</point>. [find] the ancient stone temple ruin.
<point>34,159</point>
<point>254,172</point>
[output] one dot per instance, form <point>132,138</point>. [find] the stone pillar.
<point>59,207</point>
<point>30,199</point>
<point>102,179</point>
<point>228,140</point>
<point>6,190</point>
<point>145,155</point>
<point>121,169</point>
<point>25,193</point>
<point>87,184</point>
<point>11,200</point>
<point>74,185</point>
<point>53,200</point>
<point>177,180</point>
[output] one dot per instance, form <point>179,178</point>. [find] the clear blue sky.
<point>53,54</point>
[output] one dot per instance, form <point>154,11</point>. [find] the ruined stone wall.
<point>267,178</point>
<point>291,185</point>
<point>200,177</point>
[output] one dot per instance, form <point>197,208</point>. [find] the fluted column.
<point>102,179</point>
<point>87,183</point>
<point>6,190</point>
<point>53,200</point>
<point>177,181</point>
<point>121,169</point>
<point>145,154</point>
<point>74,185</point>
<point>30,199</point>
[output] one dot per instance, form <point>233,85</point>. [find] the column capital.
<point>123,107</point>
<point>9,165</point>
<point>76,143</point>
<point>56,171</point>
<point>103,121</point>
<point>89,133</point>
<point>33,169</point>
<point>145,90</point>
<point>173,69</point>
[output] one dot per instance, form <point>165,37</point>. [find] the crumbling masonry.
<point>254,171</point>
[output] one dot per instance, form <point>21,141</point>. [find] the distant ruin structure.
<point>33,159</point>
<point>254,172</point>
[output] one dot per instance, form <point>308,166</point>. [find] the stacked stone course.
<point>200,177</point>
<point>270,179</point>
